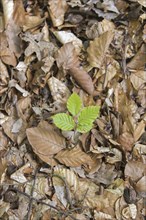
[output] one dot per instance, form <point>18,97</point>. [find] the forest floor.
<point>91,166</point>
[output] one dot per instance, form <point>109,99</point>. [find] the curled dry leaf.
<point>66,37</point>
<point>74,157</point>
<point>57,9</point>
<point>98,48</point>
<point>45,141</point>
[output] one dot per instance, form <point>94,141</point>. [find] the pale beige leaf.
<point>138,78</point>
<point>59,90</point>
<point>102,216</point>
<point>67,57</point>
<point>45,141</point>
<point>140,186</point>
<point>57,9</point>
<point>139,130</point>
<point>83,79</point>
<point>80,189</point>
<point>74,157</point>
<point>98,48</point>
<point>142,2</point>
<point>66,37</point>
<point>138,61</point>
<point>69,176</point>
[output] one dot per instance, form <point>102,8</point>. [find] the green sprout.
<point>81,118</point>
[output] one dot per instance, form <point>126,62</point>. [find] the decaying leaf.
<point>59,90</point>
<point>45,141</point>
<point>98,48</point>
<point>67,57</point>
<point>74,157</point>
<point>57,9</point>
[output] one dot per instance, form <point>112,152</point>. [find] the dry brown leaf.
<point>140,186</point>
<point>74,157</point>
<point>127,141</point>
<point>24,20</point>
<point>138,60</point>
<point>83,79</point>
<point>135,170</point>
<point>57,9</point>
<point>45,141</point>
<point>67,57</point>
<point>98,49</point>
<point>66,37</point>
<point>139,130</point>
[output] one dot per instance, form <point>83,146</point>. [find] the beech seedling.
<point>79,118</point>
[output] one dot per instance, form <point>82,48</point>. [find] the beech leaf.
<point>45,141</point>
<point>74,104</point>
<point>74,157</point>
<point>98,49</point>
<point>64,121</point>
<point>67,56</point>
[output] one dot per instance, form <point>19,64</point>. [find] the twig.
<point>64,213</point>
<point>66,188</point>
<point>31,198</point>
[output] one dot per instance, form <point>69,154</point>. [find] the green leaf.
<point>63,121</point>
<point>74,104</point>
<point>83,128</point>
<point>88,115</point>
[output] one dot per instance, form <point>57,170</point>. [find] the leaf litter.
<point>50,50</point>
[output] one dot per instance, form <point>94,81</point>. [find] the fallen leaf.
<point>140,186</point>
<point>66,37</point>
<point>74,157</point>
<point>57,9</point>
<point>139,130</point>
<point>45,141</point>
<point>135,170</point>
<point>138,79</point>
<point>138,61</point>
<point>67,57</point>
<point>83,79</point>
<point>142,2</point>
<point>98,48</point>
<point>59,90</point>
<point>127,141</point>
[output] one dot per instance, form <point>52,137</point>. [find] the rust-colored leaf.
<point>83,79</point>
<point>74,157</point>
<point>45,141</point>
